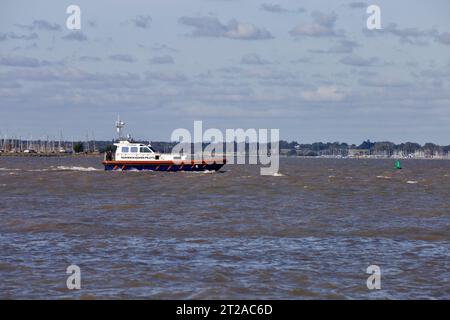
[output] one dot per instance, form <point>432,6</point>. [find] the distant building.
<point>354,153</point>
<point>419,154</point>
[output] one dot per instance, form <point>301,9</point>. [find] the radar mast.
<point>119,126</point>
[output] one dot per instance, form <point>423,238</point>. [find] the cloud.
<point>343,46</point>
<point>163,47</point>
<point>32,46</point>
<point>72,76</point>
<point>416,36</point>
<point>41,25</point>
<point>273,8</point>
<point>212,27</point>
<point>276,8</point>
<point>265,76</point>
<point>122,58</point>
<point>413,36</point>
<point>8,84</point>
<point>26,62</point>
<point>323,19</point>
<point>75,36</point>
<point>166,76</point>
<point>19,62</point>
<point>357,5</point>
<point>253,58</point>
<point>92,23</point>
<point>246,31</point>
<point>407,32</point>
<point>45,25</point>
<point>142,21</point>
<point>357,61</point>
<point>383,82</point>
<point>322,26</point>
<point>31,36</point>
<point>444,38</point>
<point>434,74</point>
<point>300,60</point>
<point>230,70</point>
<point>32,74</point>
<point>324,94</point>
<point>15,36</point>
<point>314,30</point>
<point>265,73</point>
<point>90,59</point>
<point>165,59</point>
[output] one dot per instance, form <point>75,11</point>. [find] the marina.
<point>45,147</point>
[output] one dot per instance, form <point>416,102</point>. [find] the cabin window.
<point>125,149</point>
<point>134,149</point>
<point>145,150</point>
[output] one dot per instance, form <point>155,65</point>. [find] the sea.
<point>316,230</point>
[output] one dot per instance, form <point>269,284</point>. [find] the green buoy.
<point>397,164</point>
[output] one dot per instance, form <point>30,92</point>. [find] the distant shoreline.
<point>368,158</point>
<point>99,154</point>
<point>48,155</point>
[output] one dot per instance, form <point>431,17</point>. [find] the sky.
<point>311,69</point>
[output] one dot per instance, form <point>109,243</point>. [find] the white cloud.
<point>323,26</point>
<point>357,61</point>
<point>253,58</point>
<point>212,27</point>
<point>122,57</point>
<point>164,59</point>
<point>324,94</point>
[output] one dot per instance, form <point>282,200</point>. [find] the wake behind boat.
<point>130,155</point>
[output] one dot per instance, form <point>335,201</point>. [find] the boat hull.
<point>167,166</point>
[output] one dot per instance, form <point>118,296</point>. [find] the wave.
<point>197,172</point>
<point>58,168</point>
<point>277,174</point>
<point>74,168</point>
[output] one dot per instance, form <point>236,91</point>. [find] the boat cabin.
<point>134,151</point>
<point>128,150</point>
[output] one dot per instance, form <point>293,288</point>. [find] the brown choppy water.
<point>310,233</point>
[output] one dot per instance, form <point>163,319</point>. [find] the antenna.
<point>60,139</point>
<point>93,143</point>
<point>88,149</point>
<point>119,126</point>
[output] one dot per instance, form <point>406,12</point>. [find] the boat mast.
<point>119,126</point>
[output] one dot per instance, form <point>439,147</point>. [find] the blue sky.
<point>309,68</point>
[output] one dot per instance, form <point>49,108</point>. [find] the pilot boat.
<point>130,155</point>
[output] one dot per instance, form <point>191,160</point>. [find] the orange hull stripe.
<point>205,162</point>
